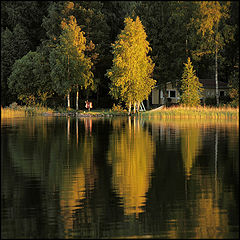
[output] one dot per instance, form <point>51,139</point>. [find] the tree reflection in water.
<point>131,153</point>
<point>190,146</point>
<point>68,178</point>
<point>78,181</point>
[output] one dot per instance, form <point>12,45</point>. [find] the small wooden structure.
<point>157,97</point>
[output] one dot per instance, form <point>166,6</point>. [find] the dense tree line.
<point>33,53</point>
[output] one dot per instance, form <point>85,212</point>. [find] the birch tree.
<point>70,67</point>
<point>131,72</point>
<point>211,25</point>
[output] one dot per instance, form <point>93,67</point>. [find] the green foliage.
<point>92,21</point>
<point>21,32</point>
<point>29,80</point>
<point>116,12</point>
<point>167,28</point>
<point>210,101</point>
<point>69,65</point>
<point>131,72</point>
<point>15,44</point>
<point>28,15</point>
<point>210,23</point>
<point>190,86</point>
<point>118,108</point>
<point>212,32</point>
<point>234,88</point>
<point>175,30</point>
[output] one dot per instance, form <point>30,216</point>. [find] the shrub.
<point>14,105</point>
<point>210,101</point>
<point>118,108</point>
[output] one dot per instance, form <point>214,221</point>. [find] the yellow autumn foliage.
<point>131,73</point>
<point>131,156</point>
<point>190,145</point>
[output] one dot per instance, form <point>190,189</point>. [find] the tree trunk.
<point>134,107</point>
<point>68,96</point>
<point>77,98</point>
<point>68,100</point>
<point>138,106</point>
<point>129,108</point>
<point>148,105</point>
<point>216,76</point>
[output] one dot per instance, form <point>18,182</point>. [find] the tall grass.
<point>174,112</point>
<point>10,112</point>
<point>180,112</point>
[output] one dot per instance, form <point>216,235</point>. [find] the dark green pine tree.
<point>190,88</point>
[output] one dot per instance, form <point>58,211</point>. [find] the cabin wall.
<point>173,95</point>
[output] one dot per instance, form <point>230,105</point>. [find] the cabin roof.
<point>211,83</point>
<point>207,84</point>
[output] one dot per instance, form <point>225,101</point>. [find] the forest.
<point>33,33</point>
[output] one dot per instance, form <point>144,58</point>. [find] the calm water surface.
<point>119,177</point>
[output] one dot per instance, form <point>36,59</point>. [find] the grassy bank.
<point>175,112</point>
<point>194,112</point>
<point>22,111</point>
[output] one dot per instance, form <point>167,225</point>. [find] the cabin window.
<point>172,93</point>
<point>221,94</point>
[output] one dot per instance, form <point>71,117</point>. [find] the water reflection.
<point>77,183</point>
<point>190,146</point>
<point>131,153</point>
<point>205,159</point>
<point>88,125</point>
<point>119,177</point>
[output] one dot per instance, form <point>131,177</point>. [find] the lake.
<point>119,177</point>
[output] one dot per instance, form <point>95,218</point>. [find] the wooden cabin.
<point>173,96</point>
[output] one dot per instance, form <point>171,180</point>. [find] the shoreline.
<point>80,115</point>
<point>168,113</point>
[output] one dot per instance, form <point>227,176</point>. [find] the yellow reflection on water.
<point>190,132</point>
<point>207,217</point>
<point>203,123</point>
<point>190,145</point>
<point>131,155</point>
<point>77,182</point>
<point>71,193</point>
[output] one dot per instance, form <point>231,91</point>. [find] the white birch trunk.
<point>129,108</point>
<point>77,96</point>
<point>138,106</point>
<point>68,96</point>
<point>216,77</point>
<point>68,100</point>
